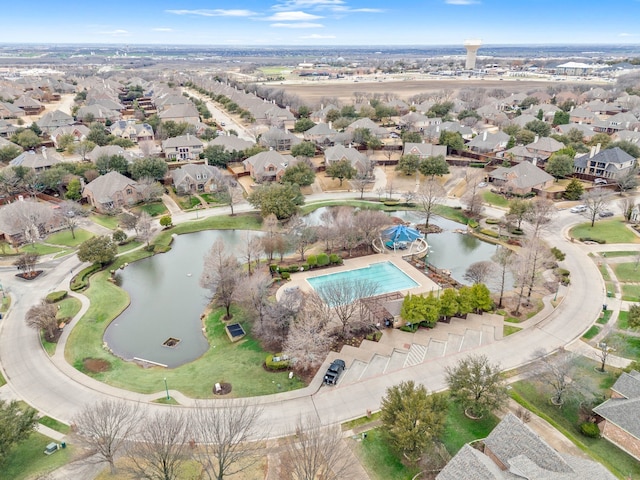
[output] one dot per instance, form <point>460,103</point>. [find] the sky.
<point>321,22</point>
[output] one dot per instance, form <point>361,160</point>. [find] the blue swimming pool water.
<point>385,275</point>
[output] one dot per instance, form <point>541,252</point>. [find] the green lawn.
<point>210,198</point>
<point>128,246</point>
<point>65,238</point>
<point>621,253</point>
<point>107,221</point>
<point>592,332</point>
<point>611,231</point>
<point>495,199</point>
<point>68,307</point>
<point>40,249</point>
<point>625,345</point>
<point>239,364</point>
<point>154,208</point>
<point>2,380</point>
<point>604,317</point>
<point>378,459</point>
<point>55,424</point>
<point>27,459</point>
<point>460,430</point>
<point>535,395</point>
<point>627,272</point>
<point>509,330</point>
<point>604,272</point>
<point>631,293</point>
<point>187,202</point>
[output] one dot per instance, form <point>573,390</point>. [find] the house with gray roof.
<point>185,112</point>
<point>110,151</point>
<point>38,161</point>
<point>627,136</point>
<point>520,179</point>
<point>79,133</point>
<point>31,106</point>
<point>424,150</point>
<point>231,143</point>
<point>586,130</point>
<point>370,125</point>
<point>513,451</point>
<point>268,166</point>
<point>52,120</point>
<point>543,148</point>
<point>489,142</point>
<point>25,220</point>
<point>321,134</point>
<point>193,178</point>
<point>7,128</point>
<point>611,163</point>
<point>111,191</point>
<point>321,115</point>
<point>618,417</point>
<point>620,121</point>
<point>183,148</point>
<point>129,129</point>
<point>279,139</point>
<point>97,113</point>
<point>9,110</point>
<point>358,160</point>
<point>581,115</point>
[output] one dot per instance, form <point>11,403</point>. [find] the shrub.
<point>391,203</point>
<point>589,239</point>
<point>335,259</point>
<point>54,297</point>
<point>489,233</point>
<point>559,254</point>
<point>323,260</point>
<point>589,429</point>
<point>160,248</point>
<point>374,336</point>
<point>273,268</point>
<point>472,223</point>
<point>81,280</point>
<point>476,165</point>
<point>517,231</point>
<point>410,327</point>
<point>312,260</point>
<point>293,268</point>
<point>492,221</point>
<point>277,362</point>
<point>634,316</point>
<point>285,275</point>
<point>305,266</point>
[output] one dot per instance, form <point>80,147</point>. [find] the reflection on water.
<point>167,301</point>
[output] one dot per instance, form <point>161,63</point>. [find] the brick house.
<point>520,179</point>
<point>618,417</point>
<point>184,147</point>
<point>268,166</point>
<point>111,191</point>
<point>612,163</point>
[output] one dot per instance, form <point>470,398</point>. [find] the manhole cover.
<point>171,342</point>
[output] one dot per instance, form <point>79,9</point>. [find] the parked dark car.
<point>606,213</point>
<point>334,371</point>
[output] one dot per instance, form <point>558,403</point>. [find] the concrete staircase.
<point>397,349</point>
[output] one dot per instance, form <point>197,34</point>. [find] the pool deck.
<point>425,284</point>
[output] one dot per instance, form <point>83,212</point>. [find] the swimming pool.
<point>385,276</point>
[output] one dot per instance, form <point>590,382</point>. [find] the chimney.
<point>571,109</point>
<point>437,128</point>
<point>287,108</point>
<point>322,106</point>
<point>592,152</point>
<point>330,123</point>
<point>484,136</point>
<point>188,137</point>
<point>598,146</point>
<point>536,138</point>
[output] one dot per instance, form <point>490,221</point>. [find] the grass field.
<point>625,345</point>
<point>55,424</point>
<point>621,253</point>
<point>128,246</point>
<point>378,459</point>
<point>604,272</point>
<point>604,317</point>
<point>107,221</point>
<point>27,460</point>
<point>535,395</point>
<point>65,238</point>
<point>239,363</point>
<point>509,330</point>
<point>495,199</point>
<point>154,209</point>
<point>592,332</point>
<point>631,293</point>
<point>40,249</point>
<point>610,231</point>
<point>627,272</point>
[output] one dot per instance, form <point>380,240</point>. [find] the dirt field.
<point>312,92</point>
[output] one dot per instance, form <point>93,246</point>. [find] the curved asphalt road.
<point>58,390</point>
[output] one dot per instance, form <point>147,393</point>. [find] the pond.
<point>167,301</point>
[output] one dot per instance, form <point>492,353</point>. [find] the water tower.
<point>471,46</point>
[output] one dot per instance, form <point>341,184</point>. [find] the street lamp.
<point>166,388</point>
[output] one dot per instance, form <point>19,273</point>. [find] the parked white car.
<point>578,209</point>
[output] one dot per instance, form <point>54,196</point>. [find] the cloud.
<point>115,33</point>
<point>297,25</point>
<point>337,6</point>
<point>462,2</point>
<point>163,29</point>
<point>292,17</point>
<point>340,9</point>
<point>624,34</point>
<point>218,12</point>
<point>315,36</point>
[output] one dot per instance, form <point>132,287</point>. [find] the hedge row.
<point>54,297</point>
<point>81,280</point>
<point>589,239</point>
<point>489,233</point>
<point>313,261</point>
<point>277,362</point>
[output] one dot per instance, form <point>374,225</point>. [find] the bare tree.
<point>503,258</point>
<point>161,446</point>
<point>26,263</point>
<point>627,205</point>
<point>303,237</point>
<point>430,194</point>
<point>129,221</point>
<point>71,212</point>
<point>368,224</point>
<point>43,317</point>
<point>360,183</point>
<point>147,148</point>
<point>390,189</point>
<point>603,351</point>
<point>279,316</point>
<point>539,214</point>
<point>104,427</point>
<point>221,276</point>
<point>229,438</point>
<point>527,268</point>
<point>344,295</point>
<point>28,217</point>
<point>472,197</point>
<point>251,249</point>
<point>255,292</point>
<point>309,340</point>
<point>480,272</point>
<point>555,370</point>
<point>144,228</point>
<point>596,202</point>
<point>150,189</point>
<point>316,451</point>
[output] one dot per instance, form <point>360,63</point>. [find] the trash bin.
<point>609,294</point>
<point>604,307</point>
<point>63,444</point>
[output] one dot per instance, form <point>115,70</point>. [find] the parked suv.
<point>334,371</point>
<point>578,209</point>
<point>600,181</point>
